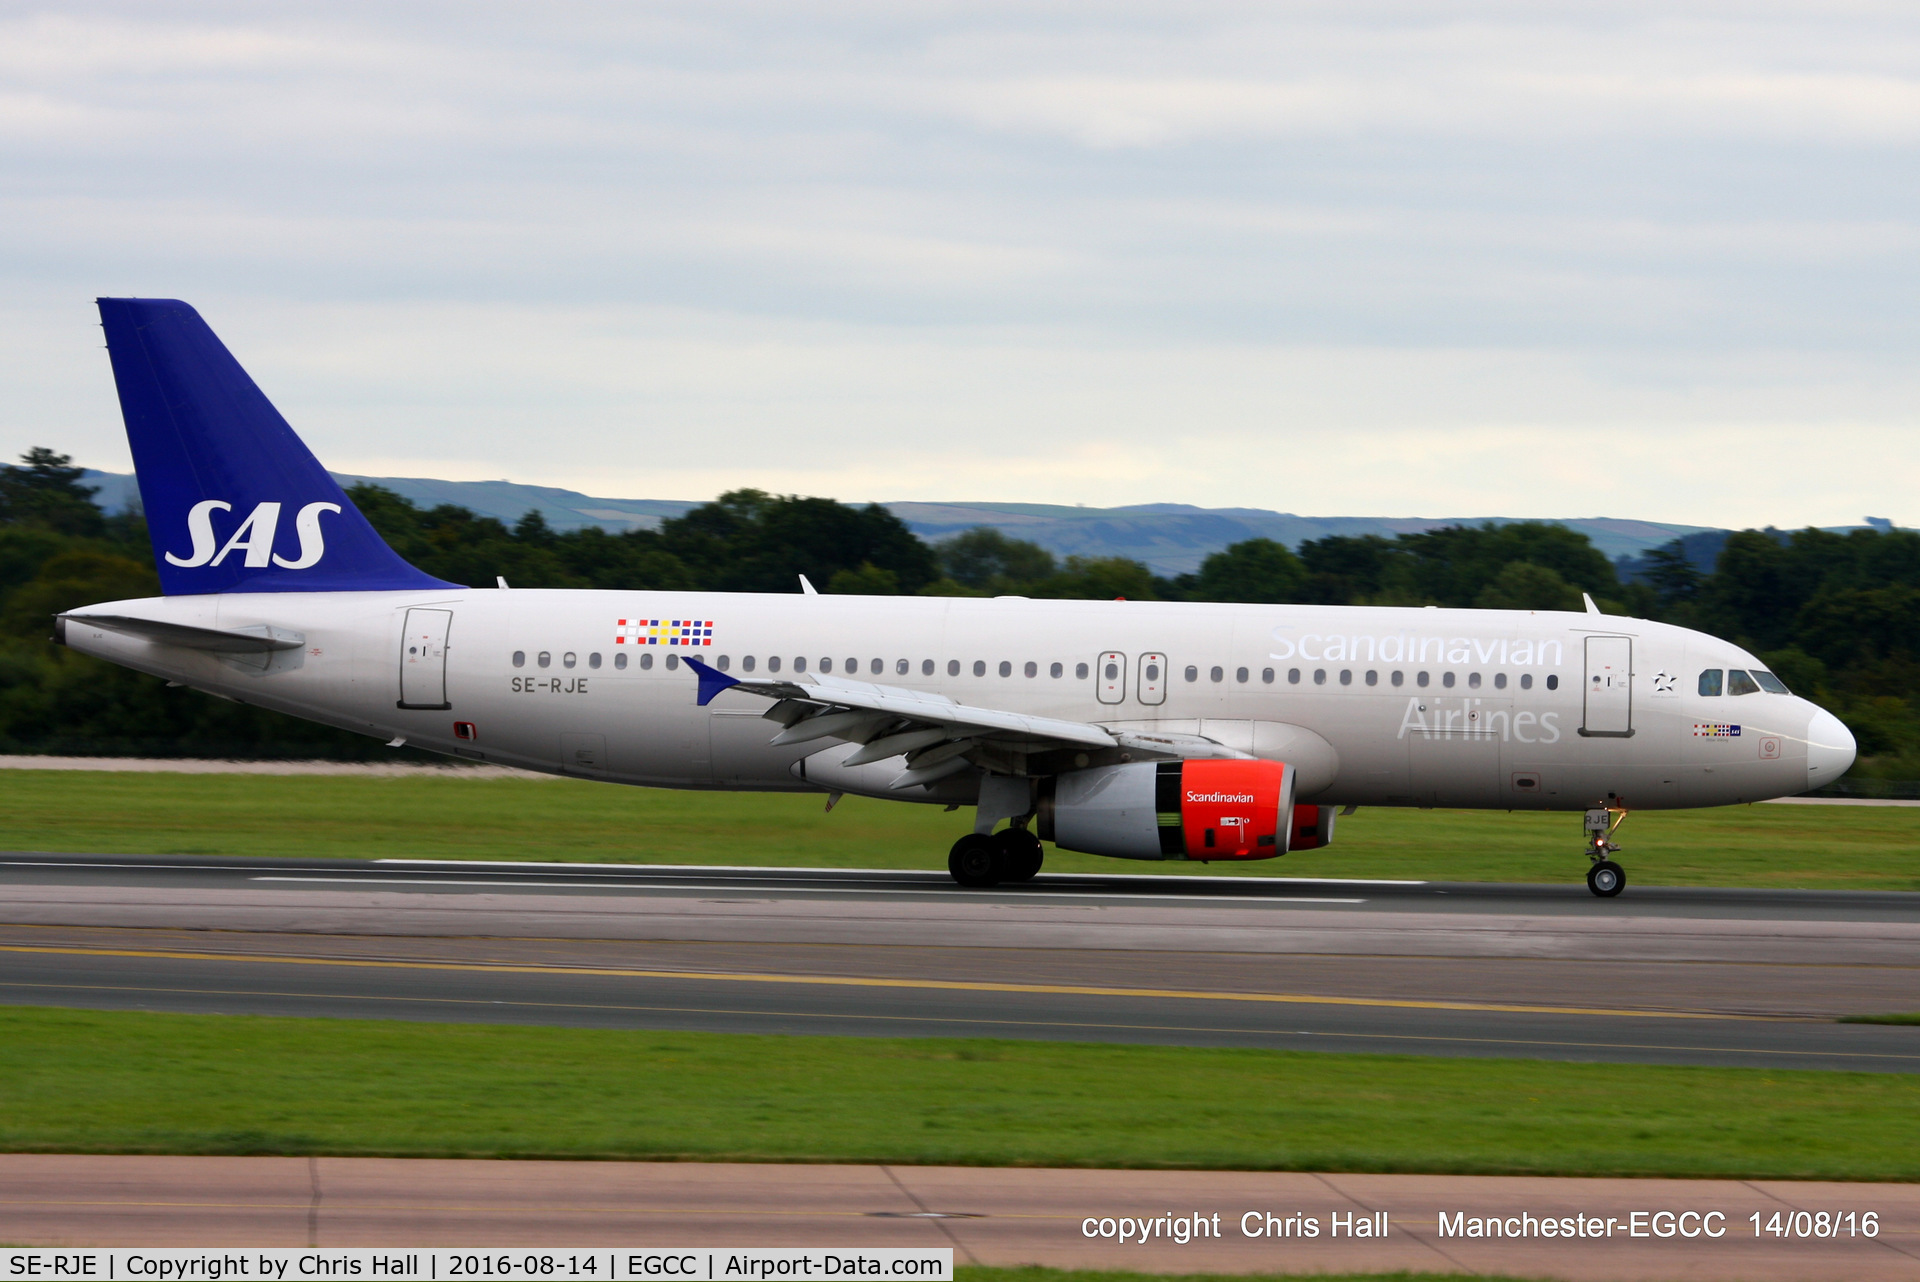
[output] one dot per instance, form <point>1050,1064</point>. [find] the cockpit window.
<point>1738,682</point>
<point>1710,683</point>
<point>1770,683</point>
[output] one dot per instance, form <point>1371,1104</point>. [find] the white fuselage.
<point>1468,708</point>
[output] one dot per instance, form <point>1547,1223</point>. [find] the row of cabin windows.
<point>1372,677</point>
<point>1741,681</point>
<point>1422,679</point>
<point>877,667</point>
<point>903,667</point>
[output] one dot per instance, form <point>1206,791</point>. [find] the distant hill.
<point>1171,538</point>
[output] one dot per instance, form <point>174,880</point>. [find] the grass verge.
<point>1901,1017</point>
<point>448,817</point>
<point>93,1081</point>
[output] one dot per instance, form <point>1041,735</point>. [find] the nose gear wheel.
<point>1606,879</point>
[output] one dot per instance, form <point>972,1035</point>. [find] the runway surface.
<point>1698,976</point>
<point>986,1215</point>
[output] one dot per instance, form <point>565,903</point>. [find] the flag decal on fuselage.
<point>672,632</point>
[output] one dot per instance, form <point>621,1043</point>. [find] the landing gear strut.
<point>1605,878</point>
<point>978,861</point>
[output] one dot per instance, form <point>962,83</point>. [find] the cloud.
<point>1369,255</point>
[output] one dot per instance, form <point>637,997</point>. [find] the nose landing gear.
<point>1605,878</point>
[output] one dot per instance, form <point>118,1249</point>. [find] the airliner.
<point>1139,730</point>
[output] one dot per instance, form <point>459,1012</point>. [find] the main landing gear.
<point>1605,878</point>
<point>1010,855</point>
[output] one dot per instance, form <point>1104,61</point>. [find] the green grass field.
<point>448,817</point>
<point>90,1081</point>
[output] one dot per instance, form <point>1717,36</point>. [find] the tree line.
<point>1836,615</point>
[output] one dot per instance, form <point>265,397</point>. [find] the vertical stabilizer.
<point>235,501</point>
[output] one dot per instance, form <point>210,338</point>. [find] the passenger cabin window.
<point>1057,671</point>
<point>1399,677</point>
<point>519,658</point>
<point>593,660</point>
<point>1373,677</point>
<point>953,667</point>
<point>1738,682</point>
<point>1526,680</point>
<point>1266,676</point>
<point>646,660</point>
<point>1499,680</point>
<point>1293,676</point>
<point>879,666</point>
<point>1770,683</point>
<point>747,663</point>
<point>1473,681</point>
<point>773,663</point>
<point>1080,671</point>
<point>1192,673</point>
<point>721,663</point>
<point>1216,674</point>
<point>546,659</point>
<point>1240,675</point>
<point>1553,682</point>
<point>1006,668</point>
<point>1032,669</point>
<point>901,665</point>
<point>800,663</point>
<point>1710,683</point>
<point>620,662</point>
<point>1446,679</point>
<point>1346,676</point>
<point>1319,676</point>
<point>1421,680</point>
<point>568,659</point>
<point>673,661</point>
<point>979,667</point>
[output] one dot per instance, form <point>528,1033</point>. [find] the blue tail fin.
<point>235,502</point>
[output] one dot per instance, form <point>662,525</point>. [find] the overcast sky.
<point>1339,259</point>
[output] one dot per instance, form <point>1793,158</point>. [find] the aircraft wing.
<point>936,734</point>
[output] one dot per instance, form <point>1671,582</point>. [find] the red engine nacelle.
<point>1173,810</point>
<point>1312,827</point>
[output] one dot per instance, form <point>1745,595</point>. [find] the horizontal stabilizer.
<point>252,640</point>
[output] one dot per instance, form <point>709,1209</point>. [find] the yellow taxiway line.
<point>851,981</point>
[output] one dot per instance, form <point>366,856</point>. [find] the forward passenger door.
<point>1608,697</point>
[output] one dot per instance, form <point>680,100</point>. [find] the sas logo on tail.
<point>254,537</point>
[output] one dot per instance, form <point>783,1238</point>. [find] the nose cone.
<point>1830,749</point>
